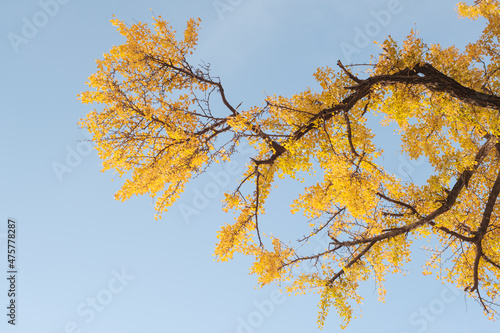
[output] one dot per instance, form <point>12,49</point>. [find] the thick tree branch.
<point>483,227</point>
<point>257,193</point>
<point>488,210</point>
<point>349,134</point>
<point>491,261</point>
<point>391,233</point>
<point>351,262</point>
<point>432,79</point>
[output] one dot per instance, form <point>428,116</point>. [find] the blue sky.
<point>88,263</point>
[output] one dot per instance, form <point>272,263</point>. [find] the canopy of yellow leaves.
<point>157,127</point>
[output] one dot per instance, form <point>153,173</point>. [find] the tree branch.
<point>433,80</point>
<point>350,263</point>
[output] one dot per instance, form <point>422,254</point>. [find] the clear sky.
<point>87,263</point>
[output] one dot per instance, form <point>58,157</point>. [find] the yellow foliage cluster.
<point>155,126</point>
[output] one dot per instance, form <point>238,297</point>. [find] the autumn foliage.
<point>158,129</point>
